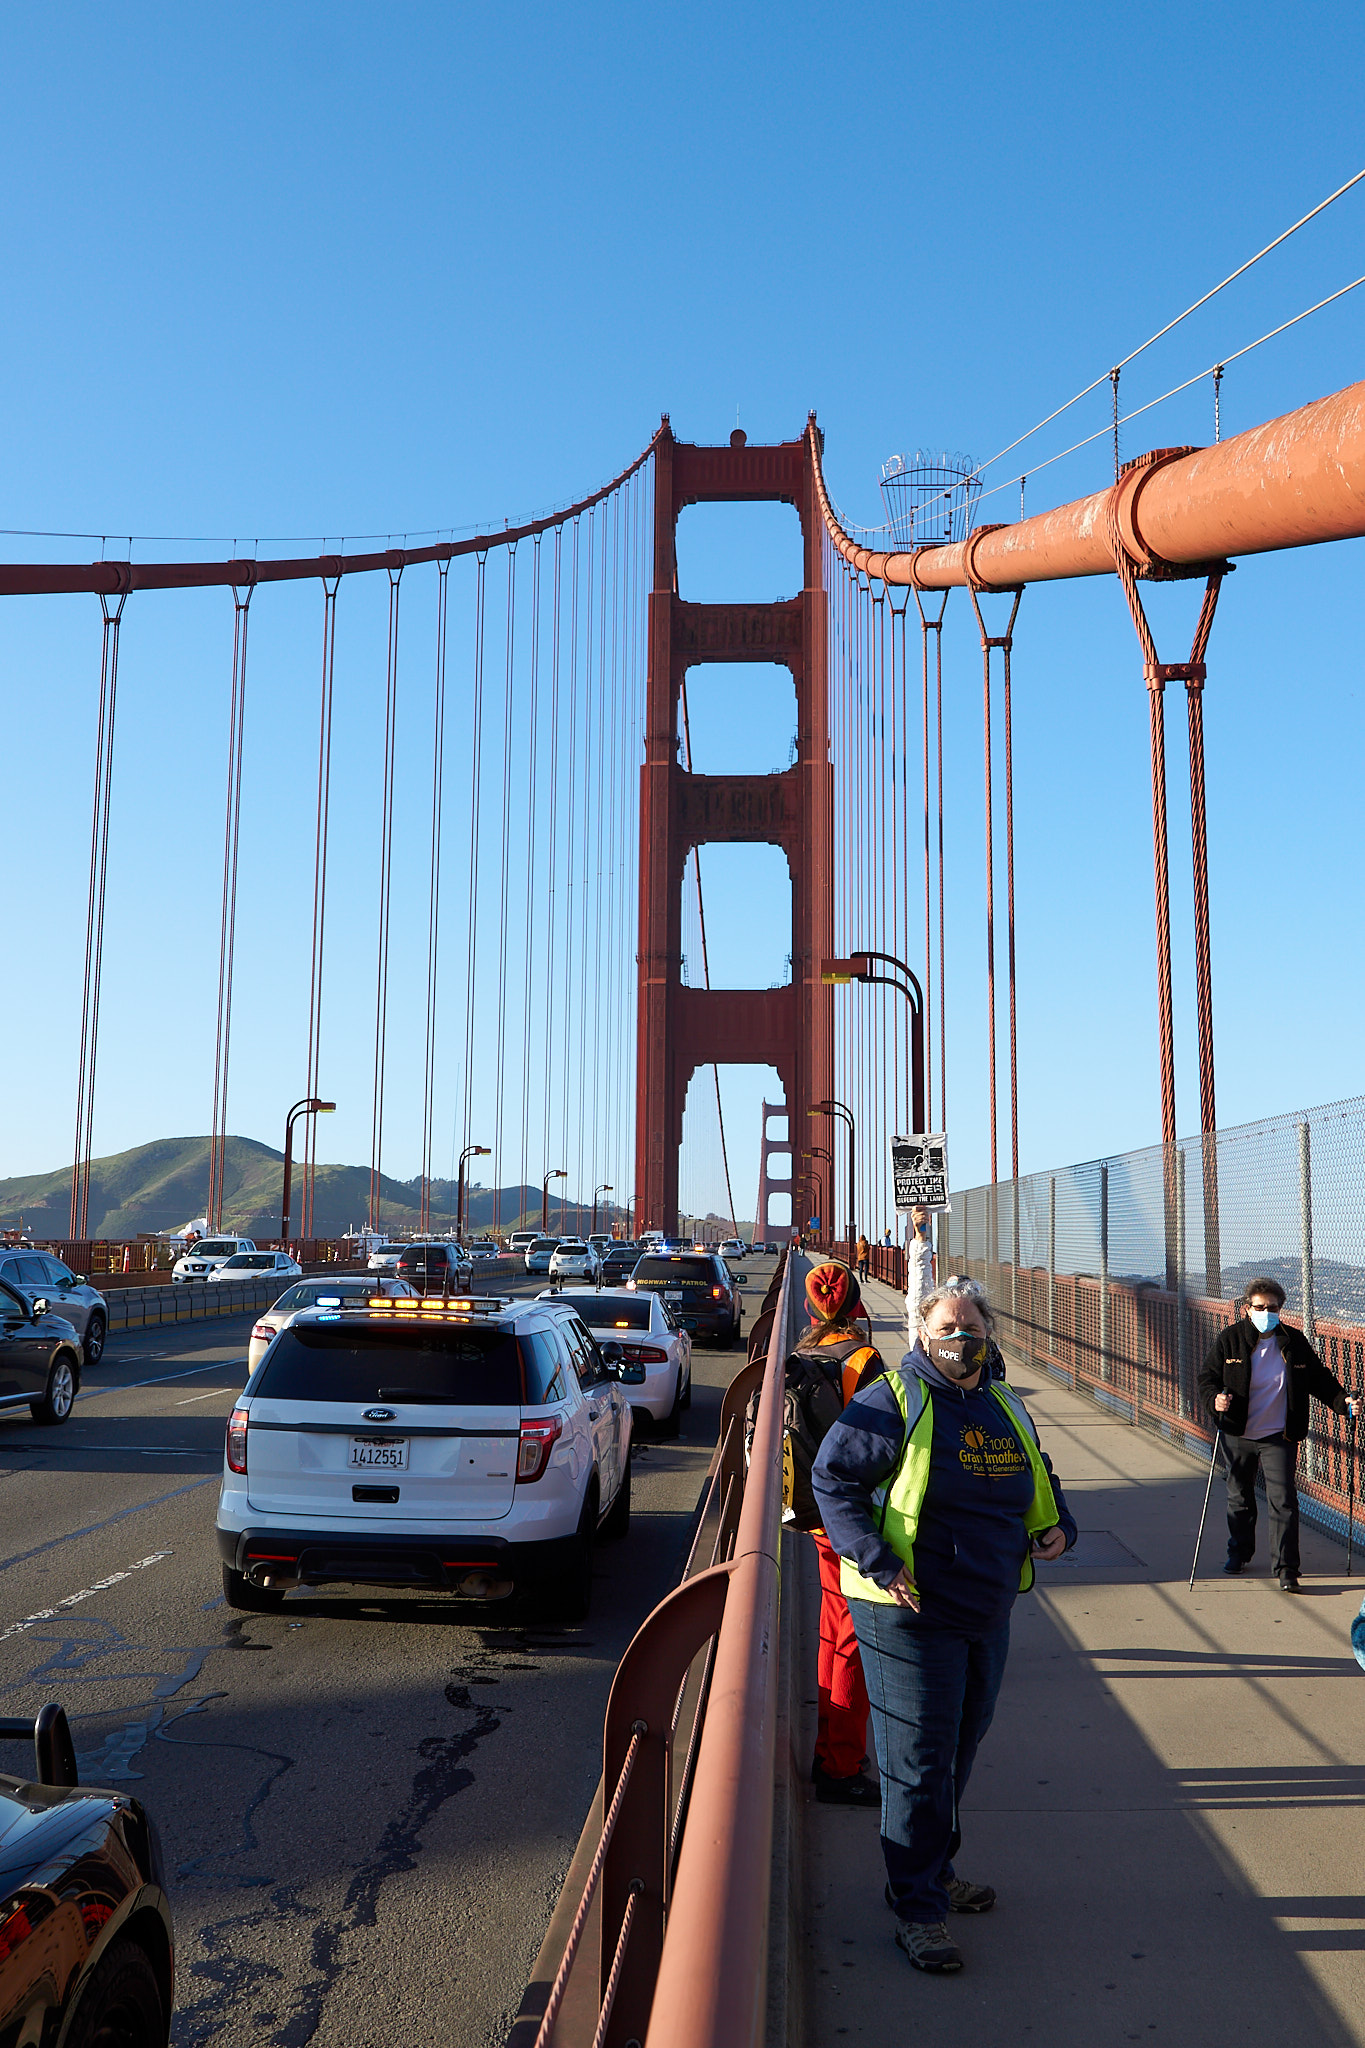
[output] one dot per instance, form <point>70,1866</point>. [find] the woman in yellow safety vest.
<point>935,1492</point>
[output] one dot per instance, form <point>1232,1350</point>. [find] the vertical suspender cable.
<point>94,914</point>
<point>438,750</point>
<point>990,912</point>
<point>573,721</point>
<point>381,998</point>
<point>507,696</point>
<point>476,749</point>
<point>942,942</point>
<point>589,763</point>
<point>330,586</point>
<point>1009,874</point>
<point>531,817</point>
<point>552,920</point>
<point>227,936</point>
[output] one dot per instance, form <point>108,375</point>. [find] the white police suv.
<point>478,1446</point>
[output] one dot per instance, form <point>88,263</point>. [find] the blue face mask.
<point>1264,1318</point>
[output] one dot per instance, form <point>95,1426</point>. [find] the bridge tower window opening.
<point>737,553</point>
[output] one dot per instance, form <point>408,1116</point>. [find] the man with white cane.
<point>1256,1384</point>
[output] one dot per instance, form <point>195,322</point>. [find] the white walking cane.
<point>1213,1460</point>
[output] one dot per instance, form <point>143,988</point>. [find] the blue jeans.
<point>932,1694</point>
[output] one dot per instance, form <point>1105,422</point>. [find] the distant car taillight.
<point>263,1332</point>
<point>236,1439</point>
<point>538,1438</point>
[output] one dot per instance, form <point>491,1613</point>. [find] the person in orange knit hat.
<point>845,1360</point>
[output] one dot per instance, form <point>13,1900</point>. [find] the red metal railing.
<point>677,1879</point>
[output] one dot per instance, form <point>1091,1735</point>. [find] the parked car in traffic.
<point>321,1293</point>
<point>87,1944</point>
<point>480,1248</point>
<point>40,1359</point>
<point>520,1241</point>
<point>257,1266</point>
<point>618,1263</point>
<point>698,1287</point>
<point>574,1259</point>
<point>734,1248</point>
<point>383,1258</point>
<point>539,1253</point>
<point>436,1268</point>
<point>649,1335</point>
<point>200,1260</point>
<point>479,1450</point>
<point>36,1275</point>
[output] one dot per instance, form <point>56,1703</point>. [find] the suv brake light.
<point>539,1435</point>
<point>236,1439</point>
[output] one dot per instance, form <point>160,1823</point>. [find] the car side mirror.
<point>39,1306</point>
<point>82,1279</point>
<point>630,1373</point>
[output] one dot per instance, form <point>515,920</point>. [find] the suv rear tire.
<point>240,1593</point>
<point>571,1593</point>
<point>121,2003</point>
<point>617,1523</point>
<point>60,1398</point>
<point>94,1339</point>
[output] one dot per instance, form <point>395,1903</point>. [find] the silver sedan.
<point>306,1294</point>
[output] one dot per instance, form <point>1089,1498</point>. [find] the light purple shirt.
<point>1265,1408</point>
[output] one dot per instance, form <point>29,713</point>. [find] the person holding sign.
<point>919,1267</point>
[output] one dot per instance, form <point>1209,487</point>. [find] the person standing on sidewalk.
<point>1256,1384</point>
<point>919,1268</point>
<point>845,1360</point>
<point>933,1488</point>
<point>862,1256</point>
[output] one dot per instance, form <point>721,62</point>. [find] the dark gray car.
<point>40,1358</point>
<point>38,1275</point>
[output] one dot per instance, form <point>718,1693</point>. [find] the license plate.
<point>673,1294</point>
<point>374,1454</point>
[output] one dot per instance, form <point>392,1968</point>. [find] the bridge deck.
<point>1169,1802</point>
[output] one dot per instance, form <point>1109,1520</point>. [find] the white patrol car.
<point>478,1446</point>
<point>650,1336</point>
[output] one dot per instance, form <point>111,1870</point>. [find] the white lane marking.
<point>128,1386</point>
<point>87,1593</point>
<point>190,1399</point>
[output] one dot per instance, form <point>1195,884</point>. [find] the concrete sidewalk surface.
<point>1170,1802</point>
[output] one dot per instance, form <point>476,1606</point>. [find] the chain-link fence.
<point>1116,1275</point>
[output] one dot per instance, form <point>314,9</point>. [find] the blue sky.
<point>322,272</point>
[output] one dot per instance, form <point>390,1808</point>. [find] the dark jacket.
<point>967,1559</point>
<point>1227,1369</point>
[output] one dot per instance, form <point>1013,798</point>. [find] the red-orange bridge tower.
<point>683,1028</point>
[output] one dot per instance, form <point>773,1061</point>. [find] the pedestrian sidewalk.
<point>1170,1803</point>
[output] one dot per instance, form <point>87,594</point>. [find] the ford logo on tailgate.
<point>381,1415</point>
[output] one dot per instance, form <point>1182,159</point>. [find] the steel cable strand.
<point>568,863</point>
<point>476,799</point>
<point>607,875</point>
<point>551,921</point>
<point>603,760</point>
<point>434,901</point>
<point>589,753</point>
<point>94,917</point>
<point>499,1112</point>
<point>227,935</point>
<point>330,587</point>
<point>381,1003</point>
<point>532,753</point>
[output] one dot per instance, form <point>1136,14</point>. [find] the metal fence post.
<point>1182,1337</point>
<point>1106,1371</point>
<point>1310,1326</point>
<point>1052,1264</point>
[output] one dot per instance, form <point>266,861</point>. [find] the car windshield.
<point>545,1244</point>
<point>253,1260</point>
<point>308,1293</point>
<point>682,1272</point>
<point>456,1367</point>
<point>213,1248</point>
<point>610,1311</point>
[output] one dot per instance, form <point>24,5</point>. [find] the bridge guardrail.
<point>670,1888</point>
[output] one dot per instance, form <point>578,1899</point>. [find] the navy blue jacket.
<point>971,1543</point>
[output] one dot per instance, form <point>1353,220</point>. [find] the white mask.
<point>1264,1318</point>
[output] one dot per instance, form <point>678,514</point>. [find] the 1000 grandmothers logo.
<point>990,1457</point>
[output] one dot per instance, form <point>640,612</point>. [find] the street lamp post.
<point>470,1152</point>
<point>605,1189</point>
<point>814,1175</point>
<point>862,966</point>
<point>842,1110</point>
<point>311,1105</point>
<point>555,1173</point>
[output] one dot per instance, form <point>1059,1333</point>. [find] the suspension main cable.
<point>1161,332</point>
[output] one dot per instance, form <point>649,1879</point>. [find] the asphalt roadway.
<point>367,1805</point>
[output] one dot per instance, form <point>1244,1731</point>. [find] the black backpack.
<point>812,1401</point>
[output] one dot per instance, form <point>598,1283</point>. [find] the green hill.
<point>164,1184</point>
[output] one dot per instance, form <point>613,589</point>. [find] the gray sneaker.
<point>969,1898</point>
<point>929,1946</point>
